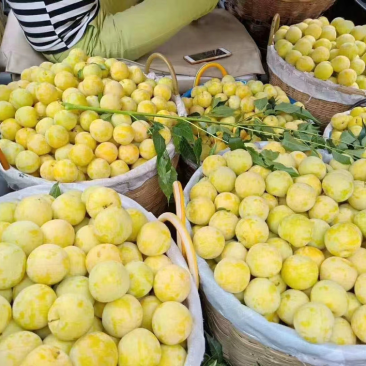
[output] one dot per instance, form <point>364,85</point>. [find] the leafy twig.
<point>306,138</point>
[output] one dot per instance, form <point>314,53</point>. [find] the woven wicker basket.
<point>321,109</point>
<point>238,348</point>
<point>291,11</point>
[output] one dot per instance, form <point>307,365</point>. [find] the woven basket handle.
<point>186,245</point>
<point>359,103</point>
<point>3,161</point>
<point>152,57</point>
<point>274,28</point>
<point>180,211</point>
<point>210,65</point>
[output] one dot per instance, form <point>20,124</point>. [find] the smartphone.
<point>207,56</point>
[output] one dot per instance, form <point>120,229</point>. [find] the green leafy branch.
<point>306,138</point>
<point>305,141</point>
<point>185,143</point>
<point>269,107</point>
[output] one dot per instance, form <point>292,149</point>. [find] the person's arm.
<point>146,26</point>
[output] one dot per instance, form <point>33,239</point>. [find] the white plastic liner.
<point>276,336</point>
<point>307,83</point>
<point>196,341</point>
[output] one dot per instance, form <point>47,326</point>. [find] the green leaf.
<point>319,140</point>
<point>183,130</point>
<point>269,112</point>
<point>302,135</point>
<point>272,102</point>
<point>296,110</point>
<point>355,153</point>
<point>348,137</point>
<point>215,102</point>
<point>308,127</point>
<point>341,146</point>
<point>215,348</point>
<point>256,157</point>
<point>185,144</point>
<point>55,191</point>
<point>197,149</point>
<point>100,96</point>
<point>343,159</point>
<point>187,151</point>
<point>363,142</point>
<point>214,128</point>
<point>106,117</point>
<point>362,134</point>
<point>159,143</point>
<point>236,143</point>
<point>80,74</point>
<point>157,126</point>
<point>291,171</point>
<point>222,111</point>
<point>176,143</point>
<point>167,175</point>
<point>226,137</point>
<point>305,114</point>
<point>269,154</point>
<point>166,172</point>
<point>291,144</point>
<point>261,104</point>
<point>287,108</point>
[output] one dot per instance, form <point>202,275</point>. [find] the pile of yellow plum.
<point>42,138</point>
<point>289,248</point>
<point>85,282</point>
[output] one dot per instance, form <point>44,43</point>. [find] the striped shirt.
<point>53,26</point>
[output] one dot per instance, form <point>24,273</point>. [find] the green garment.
<point>129,29</point>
